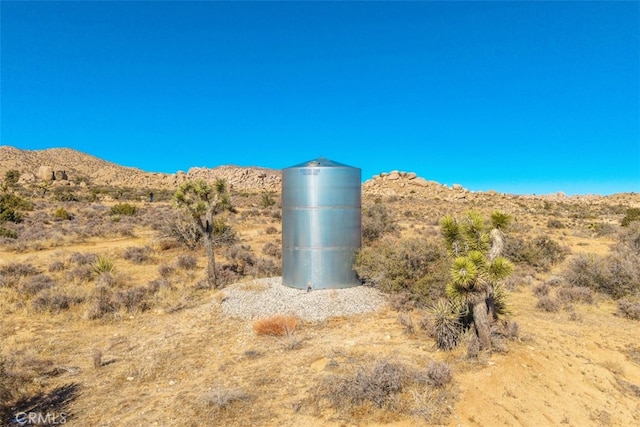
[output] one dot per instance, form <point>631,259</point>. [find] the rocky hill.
<point>64,166</point>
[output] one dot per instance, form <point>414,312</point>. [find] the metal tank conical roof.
<point>321,224</point>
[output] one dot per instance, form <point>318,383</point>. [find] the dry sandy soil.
<point>182,362</point>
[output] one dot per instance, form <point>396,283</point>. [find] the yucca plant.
<point>202,203</point>
<point>102,264</point>
<point>477,269</point>
<point>446,323</point>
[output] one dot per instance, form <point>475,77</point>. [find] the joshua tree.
<point>202,203</point>
<point>477,268</point>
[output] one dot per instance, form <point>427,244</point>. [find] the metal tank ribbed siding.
<point>321,224</point>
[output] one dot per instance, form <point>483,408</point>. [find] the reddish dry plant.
<point>276,325</point>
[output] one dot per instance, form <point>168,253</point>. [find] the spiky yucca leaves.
<point>202,202</point>
<point>446,323</point>
<point>500,220</point>
<point>477,268</point>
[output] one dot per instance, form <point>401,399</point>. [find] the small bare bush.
<point>407,322</point>
<point>377,384</point>
<point>35,284</point>
<point>165,271</point>
<point>575,294</point>
<point>81,273</point>
<point>102,303</point>
<point>222,397</point>
<point>13,272</point>
<point>187,262</point>
<point>629,309</point>
<point>79,258</point>
<point>133,299</point>
<point>272,230</point>
<point>546,303</point>
<point>137,254</point>
<point>53,301</point>
<point>439,374</point>
<point>273,250</point>
<point>276,325</point>
<point>97,358</point>
<point>56,266</point>
<point>541,290</point>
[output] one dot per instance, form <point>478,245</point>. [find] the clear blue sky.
<point>522,97</point>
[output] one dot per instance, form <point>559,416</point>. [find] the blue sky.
<point>520,97</point>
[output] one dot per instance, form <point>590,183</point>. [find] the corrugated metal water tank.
<point>321,224</point>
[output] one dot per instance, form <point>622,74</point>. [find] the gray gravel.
<point>267,297</point>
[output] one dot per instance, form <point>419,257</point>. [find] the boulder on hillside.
<point>45,173</point>
<point>60,176</point>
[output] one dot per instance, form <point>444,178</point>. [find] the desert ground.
<point>106,319</point>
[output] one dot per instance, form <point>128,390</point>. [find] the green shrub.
<point>9,234</point>
<point>267,200</point>
<point>541,252</point>
<point>61,214</point>
<point>410,266</point>
<point>123,209</point>
<point>377,221</point>
<point>631,214</point>
<point>12,176</point>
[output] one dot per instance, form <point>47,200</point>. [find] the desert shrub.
<point>629,309</point>
<point>178,228</point>
<point>156,284</point>
<point>53,301</point>
<point>413,266</point>
<point>263,267</point>
<point>377,384</point>
<point>123,209</point>
<point>11,176</point>
<point>79,258</point>
<point>577,294</point>
<point>13,272</point>
<point>541,290</point>
<point>603,229</point>
<point>267,200</point>
<point>136,254</point>
<point>617,275</point>
<point>631,214</point>
<point>102,303</point>
<point>377,221</point>
<point>271,230</point>
<point>540,253</point>
<point>276,325</point>
<point>102,264</point>
<point>226,276</point>
<point>7,233</point>
<point>35,284</point>
<point>187,262</point>
<point>10,207</point>
<point>272,250</point>
<point>546,303</point>
<point>439,374</point>
<point>81,273</point>
<point>61,214</point>
<point>165,270</point>
<point>222,397</point>
<point>56,266</point>
<point>65,195</point>
<point>132,299</point>
<point>555,223</point>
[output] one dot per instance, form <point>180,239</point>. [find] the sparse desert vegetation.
<point>108,316</point>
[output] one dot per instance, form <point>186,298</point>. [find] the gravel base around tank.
<point>267,297</point>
